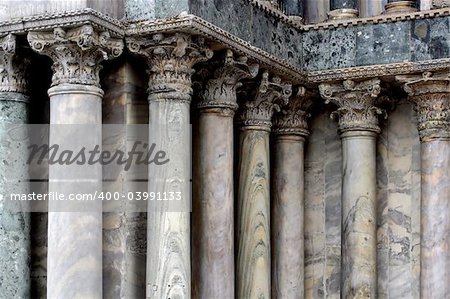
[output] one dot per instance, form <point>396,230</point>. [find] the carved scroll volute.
<point>13,66</point>
<point>356,104</point>
<point>292,120</point>
<point>270,97</point>
<point>219,93</point>
<point>171,59</point>
<point>76,53</point>
<point>430,92</point>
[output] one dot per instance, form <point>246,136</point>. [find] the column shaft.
<point>370,8</point>
<point>253,273</point>
<point>316,11</point>
<point>435,222</point>
<point>358,215</point>
<point>287,217</point>
<point>213,210</point>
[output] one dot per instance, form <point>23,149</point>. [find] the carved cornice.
<point>270,96</point>
<point>292,118</point>
<point>76,53</point>
<point>13,66</point>
<point>171,58</point>
<point>356,104</point>
<point>431,95</point>
<point>220,90</point>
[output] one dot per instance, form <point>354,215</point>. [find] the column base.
<point>400,7</point>
<point>342,14</point>
<point>297,20</point>
<point>440,3</point>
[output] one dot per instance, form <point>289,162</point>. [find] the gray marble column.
<point>358,127</point>
<point>14,225</point>
<point>290,129</point>
<point>430,94</point>
<point>170,58</point>
<point>253,232</point>
<point>293,8</point>
<point>316,11</point>
<point>213,203</point>
<point>343,9</point>
<point>370,8</point>
<point>74,263</point>
<point>400,6</point>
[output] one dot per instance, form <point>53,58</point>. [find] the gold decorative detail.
<point>292,118</point>
<point>269,98</point>
<point>13,66</point>
<point>430,92</point>
<point>356,104</point>
<point>171,58</point>
<point>220,91</point>
<point>400,7</point>
<point>76,53</point>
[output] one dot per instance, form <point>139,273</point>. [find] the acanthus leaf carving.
<point>356,101</point>
<point>292,120</point>
<point>430,93</point>
<point>220,91</point>
<point>76,53</point>
<point>268,99</point>
<point>13,66</point>
<point>171,58</point>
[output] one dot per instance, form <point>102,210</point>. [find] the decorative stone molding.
<point>220,91</point>
<point>171,59</point>
<point>76,53</point>
<point>431,95</point>
<point>356,104</point>
<point>12,66</point>
<point>400,7</point>
<point>270,96</point>
<point>343,14</point>
<point>292,118</point>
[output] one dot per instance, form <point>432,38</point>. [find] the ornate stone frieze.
<point>356,104</point>
<point>270,96</point>
<point>171,59</point>
<point>13,66</point>
<point>76,53</point>
<point>292,118</point>
<point>430,92</point>
<point>220,91</point>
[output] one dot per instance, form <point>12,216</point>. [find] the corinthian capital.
<point>292,118</point>
<point>171,59</point>
<point>220,91</point>
<point>431,95</point>
<point>269,98</point>
<point>356,104</point>
<point>12,66</point>
<point>76,53</point>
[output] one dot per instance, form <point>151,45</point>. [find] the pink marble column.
<point>213,202</point>
<point>290,130</point>
<point>253,231</point>
<point>430,94</point>
<point>358,127</point>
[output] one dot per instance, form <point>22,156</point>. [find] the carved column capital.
<point>356,104</point>
<point>219,93</point>
<point>269,98</point>
<point>13,66</point>
<point>431,95</point>
<point>171,58</point>
<point>76,53</point>
<point>292,118</point>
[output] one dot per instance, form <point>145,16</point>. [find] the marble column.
<point>430,94</point>
<point>14,220</point>
<point>213,206</point>
<point>170,58</point>
<point>290,130</point>
<point>400,6</point>
<point>343,9</point>
<point>370,8</point>
<point>253,231</point>
<point>293,8</point>
<point>74,263</point>
<point>426,4</point>
<point>316,11</point>
<point>358,128</point>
